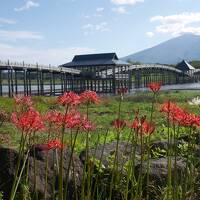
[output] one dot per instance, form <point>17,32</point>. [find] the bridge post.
<point>137,79</point>
<point>12,84</point>
<point>129,81</point>
<point>51,82</point>
<point>62,82</point>
<point>66,82</point>
<point>9,84</point>
<point>113,80</point>
<point>16,83</point>
<point>29,82</point>
<point>1,82</point>
<point>41,82</point>
<point>25,82</point>
<point>54,86</point>
<point>38,82</point>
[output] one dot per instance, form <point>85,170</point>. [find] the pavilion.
<point>103,73</point>
<point>184,66</point>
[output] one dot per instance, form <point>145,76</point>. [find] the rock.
<point>8,162</point>
<point>159,170</point>
<point>159,148</point>
<point>53,156</point>
<point>186,138</point>
<point>104,153</point>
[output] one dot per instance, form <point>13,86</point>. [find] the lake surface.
<point>186,86</point>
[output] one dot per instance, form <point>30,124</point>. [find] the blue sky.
<point>52,31</point>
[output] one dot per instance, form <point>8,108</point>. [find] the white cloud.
<point>91,28</point>
<point>120,10</point>
<point>54,56</point>
<point>178,24</point>
<point>7,21</point>
<point>86,16</point>
<point>150,34</point>
<point>13,35</point>
<point>28,5</point>
<point>100,9</point>
<point>126,2</point>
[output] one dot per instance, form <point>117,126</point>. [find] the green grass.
<point>103,114</point>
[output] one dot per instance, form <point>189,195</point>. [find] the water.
<point>20,88</point>
<point>185,86</point>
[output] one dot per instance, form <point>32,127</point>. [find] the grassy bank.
<point>103,114</point>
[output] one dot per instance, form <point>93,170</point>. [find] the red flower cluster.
<point>69,98</point>
<point>119,124</point>
<point>142,126</point>
<point>23,100</point>
<point>87,125</point>
<point>179,115</point>
<point>89,97</point>
<point>54,144</point>
<point>122,90</point>
<point>154,87</point>
<point>29,121</point>
<point>71,120</point>
<point>54,117</point>
<point>73,99</point>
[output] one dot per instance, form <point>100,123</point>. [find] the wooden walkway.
<point>30,79</point>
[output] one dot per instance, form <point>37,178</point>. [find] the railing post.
<point>16,84</point>
<point>1,92</point>
<point>113,80</point>
<point>54,87</point>
<point>11,80</point>
<point>62,82</point>
<point>51,82</point>
<point>25,82</point>
<point>38,80</point>
<point>9,84</point>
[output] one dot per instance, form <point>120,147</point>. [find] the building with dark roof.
<point>92,60</point>
<point>103,72</point>
<point>184,66</point>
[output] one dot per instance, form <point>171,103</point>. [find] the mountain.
<point>185,47</point>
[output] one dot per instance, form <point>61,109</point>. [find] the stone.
<point>37,165</point>
<point>53,156</point>
<point>158,172</point>
<point>104,152</point>
<point>8,162</point>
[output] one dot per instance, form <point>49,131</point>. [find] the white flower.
<point>195,101</point>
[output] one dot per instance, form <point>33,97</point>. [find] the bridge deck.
<point>17,65</point>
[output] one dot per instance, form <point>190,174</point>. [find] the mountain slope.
<point>185,47</point>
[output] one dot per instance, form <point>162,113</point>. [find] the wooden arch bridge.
<point>103,73</point>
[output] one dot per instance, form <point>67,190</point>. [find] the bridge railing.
<point>38,66</point>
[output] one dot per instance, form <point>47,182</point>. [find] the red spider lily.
<point>136,123</point>
<point>87,125</point>
<point>119,124</point>
<point>89,97</point>
<point>29,121</point>
<point>69,98</point>
<point>23,100</point>
<point>73,119</point>
<point>54,117</point>
<point>179,115</point>
<point>147,128</point>
<point>122,90</point>
<point>154,87</point>
<point>189,120</point>
<point>54,144</point>
<point>142,126</point>
<point>170,107</point>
